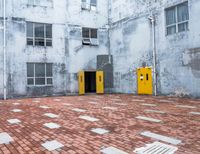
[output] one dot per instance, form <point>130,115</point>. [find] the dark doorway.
<point>90,82</point>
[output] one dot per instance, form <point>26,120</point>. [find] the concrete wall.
<point>129,40</point>
<point>177,55</point>
<point>67,54</point>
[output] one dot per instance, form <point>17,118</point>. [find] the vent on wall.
<point>156,148</point>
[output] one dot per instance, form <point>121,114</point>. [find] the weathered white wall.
<point>178,65</point>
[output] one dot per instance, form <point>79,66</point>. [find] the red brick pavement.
<point>75,133</point>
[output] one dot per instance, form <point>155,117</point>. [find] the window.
<point>177,18</point>
<point>44,3</point>
<point>39,34</point>
<point>39,74</point>
<point>90,36</point>
<point>89,5</point>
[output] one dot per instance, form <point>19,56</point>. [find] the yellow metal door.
<point>99,82</point>
<point>81,82</point>
<point>145,81</point>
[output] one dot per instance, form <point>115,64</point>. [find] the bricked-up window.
<point>39,34</point>
<point>90,36</point>
<point>39,74</point>
<point>177,18</point>
<point>89,5</point>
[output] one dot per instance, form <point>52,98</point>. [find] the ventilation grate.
<point>156,148</point>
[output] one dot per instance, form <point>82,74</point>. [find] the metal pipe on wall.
<point>152,19</point>
<point>4,52</point>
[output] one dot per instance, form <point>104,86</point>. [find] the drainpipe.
<point>4,52</point>
<point>152,19</point>
<point>109,26</point>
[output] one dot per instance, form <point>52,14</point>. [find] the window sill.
<point>177,34</point>
<point>31,46</point>
<point>38,86</point>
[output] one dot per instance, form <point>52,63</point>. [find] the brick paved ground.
<point>120,120</point>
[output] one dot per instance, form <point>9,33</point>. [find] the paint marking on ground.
<point>161,137</point>
<point>52,145</point>
<point>195,113</point>
<point>78,110</point>
<point>57,100</point>
<point>16,110</point>
<point>100,131</point>
<point>147,104</point>
<point>186,106</point>
<point>44,107</point>
<point>88,118</point>
<point>138,100</point>
<point>166,101</point>
<point>51,115</point>
<point>156,148</point>
<point>67,104</point>
<point>16,103</point>
<point>5,138</point>
<point>120,104</point>
<point>52,125</point>
<point>110,108</point>
<point>148,119</point>
<point>91,102</point>
<point>14,121</point>
<point>112,150</point>
<point>155,111</point>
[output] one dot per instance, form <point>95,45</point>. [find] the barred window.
<point>89,5</point>
<point>177,18</point>
<point>39,34</point>
<point>39,74</point>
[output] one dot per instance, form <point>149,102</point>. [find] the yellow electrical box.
<point>144,78</point>
<point>99,82</point>
<point>81,82</point>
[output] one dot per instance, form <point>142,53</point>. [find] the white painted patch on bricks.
<point>110,108</point>
<point>138,100</point>
<point>36,101</point>
<point>154,111</point>
<point>195,113</point>
<point>44,107</point>
<point>67,104</point>
<point>156,148</point>
<point>186,106</point>
<point>120,104</point>
<point>14,121</point>
<point>148,119</point>
<point>100,131</point>
<point>92,102</point>
<point>52,125</point>
<point>112,150</point>
<point>51,115</point>
<point>88,118</point>
<point>5,138</point>
<point>57,100</point>
<point>16,110</point>
<point>166,101</point>
<point>78,110</point>
<point>16,103</point>
<point>147,104</point>
<point>161,138</point>
<point>52,145</point>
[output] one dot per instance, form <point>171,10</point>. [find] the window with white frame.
<point>39,34</point>
<point>177,18</point>
<point>89,5</point>
<point>90,36</point>
<point>39,74</point>
<point>45,3</point>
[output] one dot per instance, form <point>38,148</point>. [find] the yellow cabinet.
<point>81,82</point>
<point>99,82</point>
<point>144,81</point>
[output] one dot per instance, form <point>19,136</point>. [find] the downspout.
<point>109,26</point>
<point>4,52</point>
<point>152,19</point>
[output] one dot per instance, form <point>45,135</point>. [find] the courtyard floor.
<point>94,124</point>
